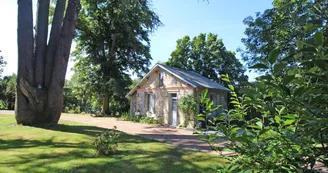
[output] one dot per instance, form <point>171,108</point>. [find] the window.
<point>151,102</point>
<point>161,78</point>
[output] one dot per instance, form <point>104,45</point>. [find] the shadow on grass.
<point>94,131</point>
<point>52,156</point>
<point>188,141</point>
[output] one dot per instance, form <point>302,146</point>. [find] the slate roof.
<point>192,78</point>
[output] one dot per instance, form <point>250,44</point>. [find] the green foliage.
<point>290,133</point>
<point>207,55</point>
<point>139,118</point>
<point>107,142</point>
<point>148,120</point>
<point>134,83</point>
<point>281,27</point>
<point>78,96</point>
<point>112,39</point>
<point>188,105</point>
<point>2,64</point>
<point>207,108</point>
<point>7,92</point>
<point>128,117</point>
<point>72,109</point>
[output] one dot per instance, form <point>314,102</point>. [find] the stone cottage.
<point>159,92</point>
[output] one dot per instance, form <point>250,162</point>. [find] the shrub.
<point>107,142</point>
<point>139,118</point>
<point>127,117</point>
<point>148,120</point>
<point>71,111</point>
<point>188,106</point>
<point>291,132</point>
<point>208,109</point>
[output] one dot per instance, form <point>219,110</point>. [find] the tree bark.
<point>25,60</point>
<point>105,106</point>
<point>53,40</point>
<point>41,36</point>
<point>37,104</point>
<point>55,92</point>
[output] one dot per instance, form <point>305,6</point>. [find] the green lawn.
<point>67,148</point>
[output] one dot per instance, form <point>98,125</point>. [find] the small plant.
<point>107,142</point>
<point>188,106</point>
<point>208,109</point>
<point>148,120</point>
<point>139,119</point>
<point>125,116</point>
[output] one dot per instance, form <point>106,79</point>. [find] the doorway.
<point>174,109</point>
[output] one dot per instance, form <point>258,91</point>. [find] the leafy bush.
<point>291,133</point>
<point>148,120</point>
<point>72,109</point>
<point>188,106</point>
<point>127,116</point>
<point>139,118</point>
<point>208,108</point>
<point>107,142</point>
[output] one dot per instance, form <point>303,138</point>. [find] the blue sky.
<point>180,18</point>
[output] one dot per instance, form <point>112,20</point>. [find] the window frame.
<point>150,108</point>
<point>161,79</point>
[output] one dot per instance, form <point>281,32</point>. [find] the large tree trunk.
<point>42,67</point>
<point>105,106</point>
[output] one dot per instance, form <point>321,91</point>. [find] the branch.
<point>41,36</point>
<point>53,40</point>
<point>25,39</point>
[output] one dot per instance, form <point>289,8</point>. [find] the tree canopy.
<point>207,55</point>
<point>112,39</point>
<point>280,27</point>
<point>2,64</point>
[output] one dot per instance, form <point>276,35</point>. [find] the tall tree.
<point>113,38</point>
<point>207,55</point>
<point>42,64</point>
<point>280,27</point>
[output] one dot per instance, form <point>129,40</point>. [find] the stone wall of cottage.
<point>171,85</point>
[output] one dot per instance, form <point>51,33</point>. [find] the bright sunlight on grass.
<point>67,147</point>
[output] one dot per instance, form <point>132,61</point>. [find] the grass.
<point>67,147</point>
